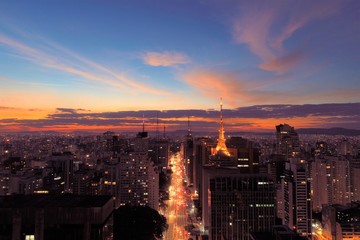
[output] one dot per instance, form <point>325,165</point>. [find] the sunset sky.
<point>102,65</point>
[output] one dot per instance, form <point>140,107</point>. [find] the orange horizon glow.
<point>172,124</point>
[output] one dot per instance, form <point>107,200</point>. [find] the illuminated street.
<point>176,211</point>
<point>317,232</point>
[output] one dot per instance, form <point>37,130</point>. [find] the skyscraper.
<point>331,181</point>
<point>236,203</point>
<point>138,177</point>
<point>297,197</point>
<point>187,147</point>
<point>287,141</point>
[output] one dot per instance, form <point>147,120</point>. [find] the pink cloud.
<point>253,29</point>
<point>165,59</point>
<point>265,28</point>
<point>282,64</point>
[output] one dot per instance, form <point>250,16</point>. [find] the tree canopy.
<point>138,223</point>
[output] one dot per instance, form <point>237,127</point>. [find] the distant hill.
<point>329,131</point>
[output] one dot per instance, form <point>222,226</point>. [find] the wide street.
<point>176,211</point>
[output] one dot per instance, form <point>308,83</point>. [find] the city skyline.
<point>101,66</point>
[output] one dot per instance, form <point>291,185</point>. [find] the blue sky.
<point>111,56</point>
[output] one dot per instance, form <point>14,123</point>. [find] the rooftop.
<point>46,201</point>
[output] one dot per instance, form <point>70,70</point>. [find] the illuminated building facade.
<point>138,176</point>
<point>331,181</point>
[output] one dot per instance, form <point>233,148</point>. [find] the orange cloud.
<point>21,113</point>
<point>165,59</point>
<point>235,90</point>
<point>213,84</point>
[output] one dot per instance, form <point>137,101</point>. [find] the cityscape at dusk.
<point>68,66</point>
<point>180,120</point>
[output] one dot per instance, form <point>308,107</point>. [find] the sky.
<point>103,65</point>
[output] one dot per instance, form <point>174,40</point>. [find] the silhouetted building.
<point>62,165</point>
<point>187,147</point>
<point>159,151</point>
<point>341,222</point>
<point>236,203</point>
<point>278,232</point>
<point>55,217</point>
<point>82,182</point>
<point>202,155</point>
<point>297,197</point>
<point>287,141</point>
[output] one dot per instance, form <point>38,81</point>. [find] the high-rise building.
<point>236,203</point>
<point>287,141</point>
<point>320,184</point>
<point>111,183</point>
<point>202,155</point>
<point>297,197</point>
<point>62,165</point>
<point>187,148</point>
<point>355,180</point>
<point>345,148</point>
<point>82,182</point>
<point>331,181</point>
<point>5,176</point>
<point>159,151</point>
<point>138,176</point>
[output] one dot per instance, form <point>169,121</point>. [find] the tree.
<point>138,223</point>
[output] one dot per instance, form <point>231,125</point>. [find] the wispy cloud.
<point>57,57</point>
<point>265,28</point>
<point>165,59</point>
